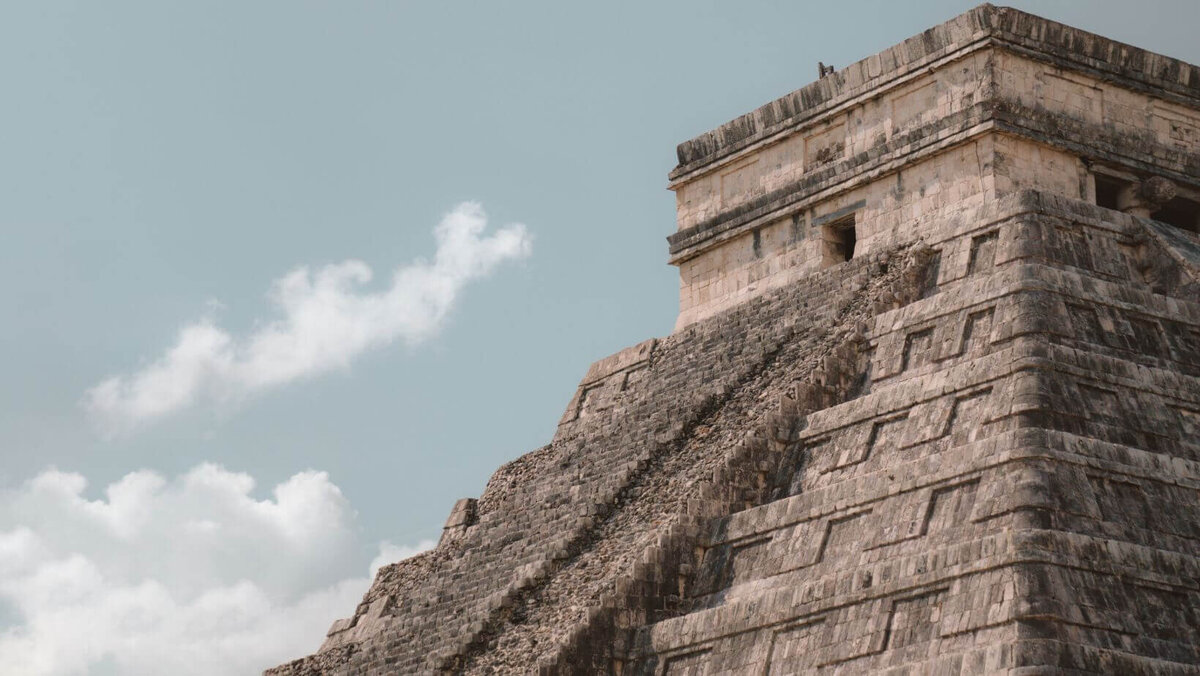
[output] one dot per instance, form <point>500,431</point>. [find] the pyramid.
<point>931,404</point>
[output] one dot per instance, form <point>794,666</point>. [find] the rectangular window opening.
<point>1107,191</point>
<point>840,239</point>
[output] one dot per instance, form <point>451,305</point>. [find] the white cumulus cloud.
<point>325,321</point>
<point>189,575</point>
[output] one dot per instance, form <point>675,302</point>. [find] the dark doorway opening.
<point>1107,191</point>
<point>840,239</point>
<point>1181,213</point>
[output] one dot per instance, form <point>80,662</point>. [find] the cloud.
<point>191,575</point>
<point>325,321</point>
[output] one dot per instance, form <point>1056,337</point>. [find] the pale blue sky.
<point>155,156</point>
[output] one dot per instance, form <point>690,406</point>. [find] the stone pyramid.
<point>932,404</point>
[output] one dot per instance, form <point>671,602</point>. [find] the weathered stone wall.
<point>977,110</point>
<point>541,511</point>
<point>844,133</point>
<point>792,247</point>
<point>627,573</point>
<point>1017,490</point>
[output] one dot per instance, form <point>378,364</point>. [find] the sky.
<point>281,281</point>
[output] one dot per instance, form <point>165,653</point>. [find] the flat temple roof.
<point>1135,68</point>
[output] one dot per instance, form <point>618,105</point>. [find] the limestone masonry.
<point>932,404</point>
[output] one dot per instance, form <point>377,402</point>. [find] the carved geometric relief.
<point>794,648</point>
<point>1072,247</point>
<point>1177,127</point>
<point>1148,337</point>
<point>902,520</point>
<point>983,252</point>
<point>1189,423</point>
<point>913,620</point>
<point>1101,404</point>
<point>977,331</point>
<point>693,663</point>
<point>825,146</point>
<point>962,417</point>
<point>634,376</point>
<point>1074,490</point>
<point>593,398</point>
<point>842,538</point>
<point>1182,503</point>
<point>1121,501</point>
<point>967,417</point>
<point>1168,614</point>
<point>1085,324</point>
<point>1184,340</point>
<point>929,281</point>
<point>1183,134</point>
<point>1111,258</point>
<point>603,394</point>
<point>916,349</point>
<point>743,561</point>
<point>950,506</point>
<point>607,378</point>
<point>937,510</point>
<point>884,435</point>
<point>1153,506</point>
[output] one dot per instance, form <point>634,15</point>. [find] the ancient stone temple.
<point>931,406</point>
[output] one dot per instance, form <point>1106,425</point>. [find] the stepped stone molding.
<point>1070,48</point>
<point>932,403</point>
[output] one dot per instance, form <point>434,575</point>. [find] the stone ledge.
<point>1081,50</point>
<point>1088,140</point>
<point>902,151</point>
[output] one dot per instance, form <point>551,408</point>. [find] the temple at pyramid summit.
<point>931,404</point>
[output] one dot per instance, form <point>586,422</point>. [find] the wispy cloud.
<point>187,575</point>
<point>325,321</point>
